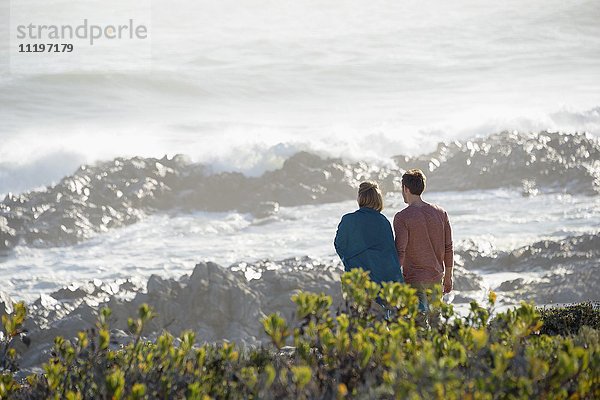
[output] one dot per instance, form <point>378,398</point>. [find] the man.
<point>423,241</point>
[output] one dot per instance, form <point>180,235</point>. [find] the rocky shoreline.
<point>122,191</point>
<point>217,303</point>
<point>532,162</point>
<point>567,269</point>
<point>227,303</point>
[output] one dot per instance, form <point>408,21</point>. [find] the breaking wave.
<point>120,192</point>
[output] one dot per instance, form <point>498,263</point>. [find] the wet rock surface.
<point>565,285</point>
<point>527,161</point>
<point>122,191</point>
<point>542,256</point>
<point>568,269</point>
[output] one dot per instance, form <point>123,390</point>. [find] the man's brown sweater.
<point>424,243</point>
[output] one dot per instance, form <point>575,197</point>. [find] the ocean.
<point>243,85</point>
<point>170,245</point>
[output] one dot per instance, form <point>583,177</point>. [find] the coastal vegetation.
<point>348,350</point>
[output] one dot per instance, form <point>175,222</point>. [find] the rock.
<point>159,287</point>
<point>266,209</point>
<point>71,293</point>
<point>464,280</point>
<point>530,162</point>
<point>222,304</point>
<point>567,269</point>
<point>564,285</point>
<point>120,192</point>
<point>6,305</point>
<point>541,256</point>
<point>217,303</point>
<point>8,236</point>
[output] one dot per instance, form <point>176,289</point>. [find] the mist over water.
<point>242,85</point>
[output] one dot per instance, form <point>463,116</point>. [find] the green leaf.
<point>301,375</point>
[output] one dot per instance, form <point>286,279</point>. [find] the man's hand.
<point>447,283</point>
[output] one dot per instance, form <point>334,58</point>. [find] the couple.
<point>420,255</point>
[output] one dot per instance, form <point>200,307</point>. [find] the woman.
<point>365,240</point>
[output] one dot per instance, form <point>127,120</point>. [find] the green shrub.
<point>568,320</point>
<point>352,353</point>
<point>12,331</point>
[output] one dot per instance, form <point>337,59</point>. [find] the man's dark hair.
<point>414,180</point>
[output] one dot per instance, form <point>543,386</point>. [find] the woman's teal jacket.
<point>364,239</point>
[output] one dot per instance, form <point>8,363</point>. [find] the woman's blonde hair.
<point>369,195</point>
